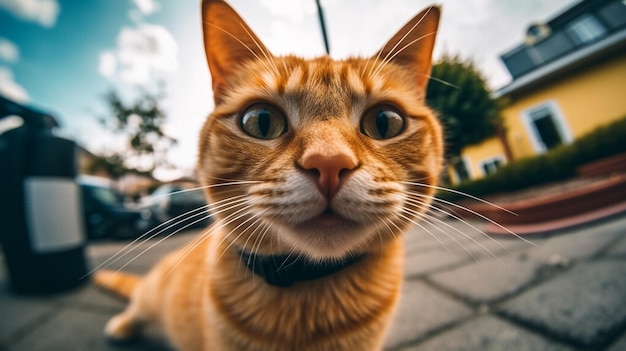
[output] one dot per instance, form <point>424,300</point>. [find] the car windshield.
<point>106,196</point>
<point>164,190</point>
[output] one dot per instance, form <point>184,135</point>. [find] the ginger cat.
<point>314,168</point>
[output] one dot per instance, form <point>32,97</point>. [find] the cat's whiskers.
<point>253,234</point>
<point>467,223</point>
<point>160,241</point>
<point>429,218</point>
<point>284,265</point>
<point>256,217</point>
<point>216,208</point>
<point>258,241</point>
<point>230,183</point>
<point>162,227</point>
<point>191,246</point>
<point>476,214</point>
<point>231,217</point>
<point>459,193</point>
<point>426,220</point>
<point>409,219</point>
<point>439,80</point>
<point>379,231</point>
<point>450,238</point>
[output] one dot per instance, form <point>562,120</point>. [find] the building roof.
<point>579,36</point>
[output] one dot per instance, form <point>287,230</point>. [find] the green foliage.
<point>459,93</point>
<point>112,165</point>
<point>140,125</point>
<point>558,164</point>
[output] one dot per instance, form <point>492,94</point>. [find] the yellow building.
<point>569,77</point>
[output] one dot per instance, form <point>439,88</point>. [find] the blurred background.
<point>101,104</point>
<point>530,95</point>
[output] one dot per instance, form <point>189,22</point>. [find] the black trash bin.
<point>42,231</point>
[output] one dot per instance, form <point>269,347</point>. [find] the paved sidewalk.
<point>564,292</point>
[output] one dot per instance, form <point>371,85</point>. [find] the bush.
<point>557,164</point>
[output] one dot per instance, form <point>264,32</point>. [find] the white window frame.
<point>481,164</point>
<point>559,120</point>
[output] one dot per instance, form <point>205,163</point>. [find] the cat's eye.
<point>382,122</point>
<point>263,121</point>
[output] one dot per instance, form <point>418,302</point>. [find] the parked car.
<point>181,201</point>
<point>107,216</point>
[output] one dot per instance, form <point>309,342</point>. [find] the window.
<point>546,126</point>
<point>519,62</point>
<point>491,166</point>
<point>554,46</point>
<point>460,169</point>
<point>585,29</point>
<point>614,14</point>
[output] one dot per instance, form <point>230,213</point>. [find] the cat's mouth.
<point>330,218</point>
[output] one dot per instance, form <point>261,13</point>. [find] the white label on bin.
<point>53,213</point>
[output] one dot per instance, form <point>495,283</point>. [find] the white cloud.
<point>8,51</point>
<point>10,88</point>
<point>142,9</point>
<point>142,53</point>
<point>108,64</point>
<point>295,11</point>
<point>43,12</point>
<point>146,7</point>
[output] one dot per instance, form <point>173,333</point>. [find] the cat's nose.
<point>328,171</point>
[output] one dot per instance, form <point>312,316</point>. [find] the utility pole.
<point>323,26</point>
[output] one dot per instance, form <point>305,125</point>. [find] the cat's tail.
<point>118,283</point>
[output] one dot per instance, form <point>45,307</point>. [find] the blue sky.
<point>63,55</point>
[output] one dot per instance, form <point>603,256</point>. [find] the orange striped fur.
<point>323,186</point>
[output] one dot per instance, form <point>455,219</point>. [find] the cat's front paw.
<point>122,329</point>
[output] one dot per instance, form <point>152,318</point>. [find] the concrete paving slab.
<point>488,280</point>
<point>620,345</point>
<point>19,314</point>
<point>73,330</point>
<point>619,248</point>
<point>488,333</point>
<point>426,262</point>
<point>421,311</point>
<point>586,305</point>
<point>492,247</point>
<point>582,243</point>
<point>91,297</point>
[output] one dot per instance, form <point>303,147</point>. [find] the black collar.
<point>285,270</point>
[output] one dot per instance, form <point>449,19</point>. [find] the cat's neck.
<point>286,270</point>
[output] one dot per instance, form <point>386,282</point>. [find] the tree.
<point>468,112</point>
<point>140,126</point>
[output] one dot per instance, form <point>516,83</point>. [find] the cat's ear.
<point>412,46</point>
<point>228,42</point>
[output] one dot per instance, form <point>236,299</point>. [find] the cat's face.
<point>315,157</point>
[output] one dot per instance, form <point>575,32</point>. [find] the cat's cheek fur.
<point>292,200</point>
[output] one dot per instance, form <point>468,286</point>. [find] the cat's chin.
<point>329,236</point>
